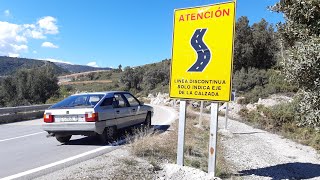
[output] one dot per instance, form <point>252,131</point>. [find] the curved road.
<point>202,50</point>
<point>26,152</point>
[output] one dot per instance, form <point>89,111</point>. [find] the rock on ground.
<point>176,172</point>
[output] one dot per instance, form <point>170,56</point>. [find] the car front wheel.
<point>147,122</point>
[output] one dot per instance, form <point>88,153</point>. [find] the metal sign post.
<point>182,124</point>
<point>201,111</point>
<point>226,116</point>
<point>213,139</point>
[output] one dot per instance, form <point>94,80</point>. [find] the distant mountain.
<point>73,68</point>
<point>9,65</point>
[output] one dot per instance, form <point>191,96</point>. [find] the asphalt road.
<point>202,50</point>
<point>26,152</point>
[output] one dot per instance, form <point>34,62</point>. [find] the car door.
<point>106,112</point>
<point>121,111</point>
<point>137,115</point>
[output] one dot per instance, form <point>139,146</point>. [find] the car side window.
<point>93,100</point>
<point>107,102</point>
<point>119,101</point>
<point>132,101</point>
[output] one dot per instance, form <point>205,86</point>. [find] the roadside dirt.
<point>85,82</point>
<point>257,154</point>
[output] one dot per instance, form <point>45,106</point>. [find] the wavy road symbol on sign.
<point>204,54</point>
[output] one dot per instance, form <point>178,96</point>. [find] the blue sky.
<point>102,33</point>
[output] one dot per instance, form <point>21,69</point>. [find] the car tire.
<point>63,139</point>
<point>109,134</point>
<point>147,122</point>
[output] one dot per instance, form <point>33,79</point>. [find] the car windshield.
<point>78,101</point>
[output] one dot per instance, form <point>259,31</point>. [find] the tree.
<point>243,48</point>
<point>264,45</point>
<point>120,68</point>
<point>126,78</point>
<point>45,85</point>
<point>8,89</point>
<point>301,65</point>
<point>27,87</point>
<point>255,46</point>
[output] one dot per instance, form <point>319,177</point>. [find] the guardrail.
<point>21,113</point>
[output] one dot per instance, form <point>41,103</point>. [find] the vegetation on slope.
<point>74,68</point>
<point>10,65</point>
<point>29,86</point>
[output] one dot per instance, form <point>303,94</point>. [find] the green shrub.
<point>255,84</point>
<point>245,80</point>
<point>278,84</point>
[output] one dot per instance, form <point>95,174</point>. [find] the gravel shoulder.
<point>256,154</point>
<point>118,164</point>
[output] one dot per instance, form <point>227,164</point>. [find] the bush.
<point>280,115</point>
<point>309,109</point>
<point>245,80</point>
<point>275,83</point>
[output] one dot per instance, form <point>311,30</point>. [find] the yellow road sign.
<point>202,52</point>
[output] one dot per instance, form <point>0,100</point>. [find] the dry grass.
<point>131,169</point>
<point>155,146</point>
<point>162,148</point>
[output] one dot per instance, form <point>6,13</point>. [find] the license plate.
<point>69,118</point>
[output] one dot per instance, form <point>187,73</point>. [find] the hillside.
<point>73,68</point>
<point>9,65</point>
<point>144,79</point>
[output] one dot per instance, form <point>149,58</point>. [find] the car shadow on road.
<point>122,138</point>
<point>295,170</point>
<point>90,140</point>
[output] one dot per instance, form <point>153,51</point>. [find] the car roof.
<point>105,93</point>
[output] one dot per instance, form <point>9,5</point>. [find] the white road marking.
<point>197,67</point>
<point>205,56</point>
<point>201,63</point>
<point>2,140</point>
<point>54,164</point>
<point>196,41</point>
<point>199,46</point>
<point>197,36</point>
<point>202,50</point>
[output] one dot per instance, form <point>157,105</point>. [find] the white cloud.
<point>34,52</point>
<point>14,37</point>
<point>57,60</point>
<point>7,13</point>
<point>48,25</point>
<point>49,45</point>
<point>37,35</point>
<point>18,48</point>
<point>13,55</point>
<point>92,64</point>
<point>11,40</point>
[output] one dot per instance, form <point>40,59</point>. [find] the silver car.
<point>99,113</point>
